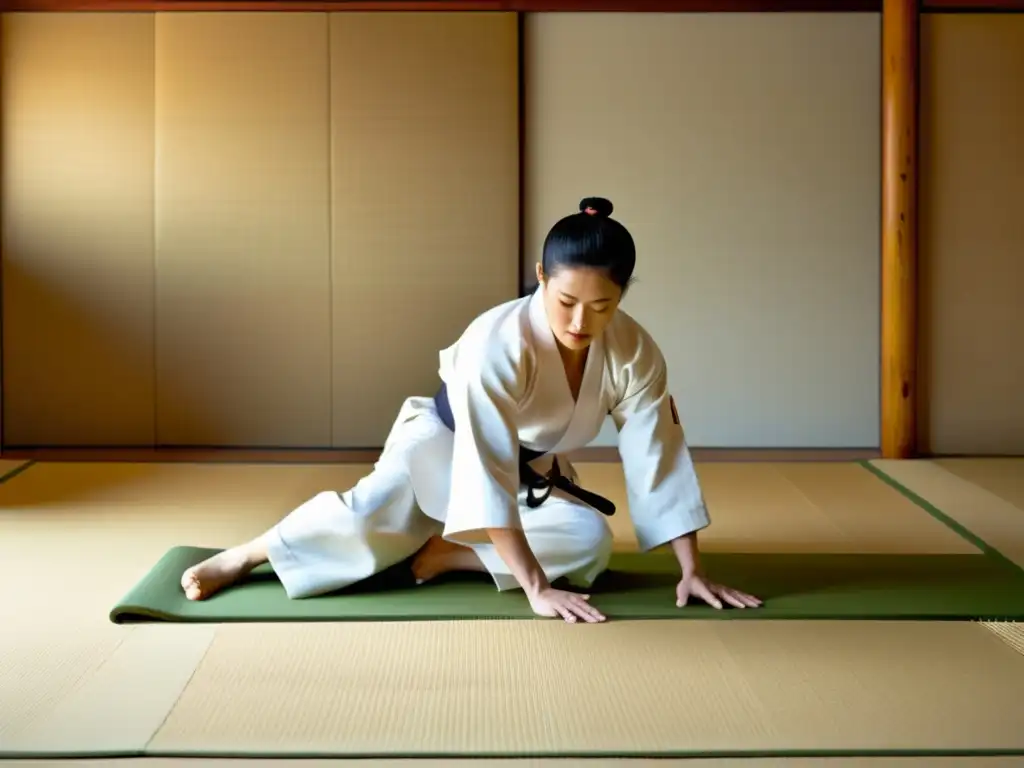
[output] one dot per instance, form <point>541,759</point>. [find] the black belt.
<point>531,478</point>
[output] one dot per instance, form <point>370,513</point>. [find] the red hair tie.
<point>589,210</point>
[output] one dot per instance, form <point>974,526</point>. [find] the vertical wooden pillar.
<point>899,228</point>
<point>3,35</point>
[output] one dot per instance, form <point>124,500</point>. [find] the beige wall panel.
<point>972,233</point>
<point>78,229</point>
<point>243,257</point>
<point>425,199</point>
<point>742,150</point>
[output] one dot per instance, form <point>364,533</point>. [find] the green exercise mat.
<point>637,586</point>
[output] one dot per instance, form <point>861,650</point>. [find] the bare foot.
<point>439,556</point>
<point>223,569</point>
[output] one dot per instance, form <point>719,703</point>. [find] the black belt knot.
<point>531,478</point>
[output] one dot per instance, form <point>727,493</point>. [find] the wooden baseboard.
<point>196,455</point>
<point>370,455</point>
<point>705,455</point>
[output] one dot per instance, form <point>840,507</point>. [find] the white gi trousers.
<point>337,539</point>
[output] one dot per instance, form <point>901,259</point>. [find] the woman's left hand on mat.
<point>711,593</point>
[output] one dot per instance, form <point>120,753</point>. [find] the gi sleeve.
<point>484,487</point>
<point>662,488</point>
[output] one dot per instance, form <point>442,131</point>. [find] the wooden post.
<point>899,228</point>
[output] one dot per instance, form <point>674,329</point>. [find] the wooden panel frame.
<point>899,135</point>
<point>519,6</point>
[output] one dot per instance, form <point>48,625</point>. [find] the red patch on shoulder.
<point>675,413</point>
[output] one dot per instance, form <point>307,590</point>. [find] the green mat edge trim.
<point>17,470</point>
<point>514,755</point>
<point>961,530</point>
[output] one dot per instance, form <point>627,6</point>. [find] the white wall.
<point>743,152</point>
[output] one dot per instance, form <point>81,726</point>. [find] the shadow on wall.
<point>95,356</point>
<point>78,347</point>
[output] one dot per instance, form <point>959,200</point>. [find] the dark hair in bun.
<point>596,206</point>
<point>591,239</point>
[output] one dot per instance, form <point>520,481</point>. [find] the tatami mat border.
<point>457,757</point>
<point>12,473</point>
<point>941,516</point>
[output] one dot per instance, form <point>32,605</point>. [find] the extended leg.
<point>336,539</point>
<point>223,569</point>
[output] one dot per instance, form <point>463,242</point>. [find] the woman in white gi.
<point>477,478</point>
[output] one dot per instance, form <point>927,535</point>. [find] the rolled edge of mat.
<point>961,530</point>
<point>131,609</point>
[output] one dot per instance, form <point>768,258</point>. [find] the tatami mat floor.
<point>75,536</point>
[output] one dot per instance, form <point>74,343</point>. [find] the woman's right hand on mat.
<point>571,606</point>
